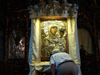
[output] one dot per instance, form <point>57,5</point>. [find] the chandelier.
<point>53,6</point>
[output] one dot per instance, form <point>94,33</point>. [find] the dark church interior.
<point>14,15</point>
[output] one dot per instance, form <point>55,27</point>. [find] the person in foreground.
<point>62,63</point>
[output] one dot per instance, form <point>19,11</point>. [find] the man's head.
<point>55,50</point>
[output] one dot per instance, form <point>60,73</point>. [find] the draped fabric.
<point>34,47</point>
<point>34,53</point>
<point>73,41</point>
<point>85,40</point>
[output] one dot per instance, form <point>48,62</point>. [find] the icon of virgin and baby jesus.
<point>56,38</point>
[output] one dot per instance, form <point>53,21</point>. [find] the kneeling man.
<point>62,63</point>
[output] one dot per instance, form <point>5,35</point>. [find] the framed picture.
<point>16,44</point>
<point>53,35</point>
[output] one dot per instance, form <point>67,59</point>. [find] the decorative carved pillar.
<point>96,38</point>
<point>27,38</point>
<point>6,40</point>
<point>96,44</point>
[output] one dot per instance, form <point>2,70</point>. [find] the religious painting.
<point>16,44</point>
<point>53,35</point>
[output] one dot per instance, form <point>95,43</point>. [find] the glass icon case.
<point>53,35</point>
